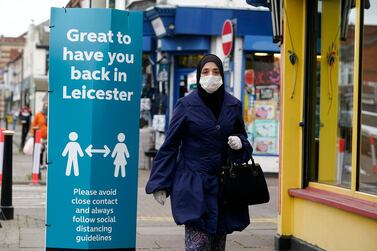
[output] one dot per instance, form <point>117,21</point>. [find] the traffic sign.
<point>227,37</point>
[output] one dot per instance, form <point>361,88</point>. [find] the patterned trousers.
<point>197,240</point>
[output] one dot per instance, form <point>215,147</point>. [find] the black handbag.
<point>243,184</point>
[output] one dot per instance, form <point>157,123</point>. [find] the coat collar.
<point>193,99</point>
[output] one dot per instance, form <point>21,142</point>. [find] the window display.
<point>261,102</point>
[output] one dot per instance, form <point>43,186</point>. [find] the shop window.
<point>261,102</point>
<point>189,61</point>
<point>186,73</point>
<point>368,103</point>
<point>148,91</point>
<point>335,48</point>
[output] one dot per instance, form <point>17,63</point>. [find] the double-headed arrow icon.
<point>105,151</point>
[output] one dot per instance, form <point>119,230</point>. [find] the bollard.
<point>35,129</point>
<point>35,177</point>
<point>7,210</point>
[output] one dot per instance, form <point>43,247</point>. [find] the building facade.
<point>35,66</point>
<point>328,171</point>
<point>13,82</point>
<point>10,50</point>
<point>177,34</point>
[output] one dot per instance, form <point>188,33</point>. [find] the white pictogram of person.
<point>120,153</point>
<point>72,149</point>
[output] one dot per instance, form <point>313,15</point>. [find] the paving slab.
<point>156,229</point>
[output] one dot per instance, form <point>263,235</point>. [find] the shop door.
<point>180,82</point>
<point>183,66</point>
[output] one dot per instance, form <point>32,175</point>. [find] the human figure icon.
<point>72,149</point>
<point>120,153</point>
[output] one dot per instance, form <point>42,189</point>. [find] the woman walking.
<point>206,129</point>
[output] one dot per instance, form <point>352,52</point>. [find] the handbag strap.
<point>231,163</point>
<point>251,157</point>
<point>252,160</point>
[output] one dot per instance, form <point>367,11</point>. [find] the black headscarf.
<point>213,100</point>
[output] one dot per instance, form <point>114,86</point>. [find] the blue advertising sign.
<point>93,129</point>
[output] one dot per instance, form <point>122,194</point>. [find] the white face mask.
<point>211,83</point>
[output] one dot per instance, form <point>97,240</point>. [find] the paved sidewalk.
<point>156,229</point>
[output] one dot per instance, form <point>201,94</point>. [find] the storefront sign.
<point>95,79</point>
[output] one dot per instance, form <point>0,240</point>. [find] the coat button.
<point>218,127</point>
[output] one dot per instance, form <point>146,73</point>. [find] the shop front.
<point>148,88</point>
<point>327,169</point>
<point>186,34</point>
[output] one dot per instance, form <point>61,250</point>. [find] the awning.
<point>209,21</point>
<point>186,21</point>
<point>185,43</point>
<point>258,3</point>
<point>260,44</point>
<point>276,8</point>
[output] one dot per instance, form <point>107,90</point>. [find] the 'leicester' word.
<point>100,94</point>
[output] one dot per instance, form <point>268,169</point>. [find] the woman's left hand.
<point>234,142</point>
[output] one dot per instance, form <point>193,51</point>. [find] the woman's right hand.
<point>160,196</point>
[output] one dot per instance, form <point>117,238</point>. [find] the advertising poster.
<point>265,145</point>
<point>93,129</point>
<point>265,128</point>
<point>264,109</point>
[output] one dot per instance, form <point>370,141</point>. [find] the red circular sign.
<point>227,37</point>
<point>249,77</point>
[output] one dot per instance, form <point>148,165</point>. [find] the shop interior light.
<point>276,55</point>
<point>319,57</point>
<point>260,54</point>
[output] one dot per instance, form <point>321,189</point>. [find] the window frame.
<point>309,167</point>
<point>359,95</point>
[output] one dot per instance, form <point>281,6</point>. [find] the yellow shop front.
<point>328,146</point>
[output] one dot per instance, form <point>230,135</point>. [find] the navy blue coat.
<point>188,163</point>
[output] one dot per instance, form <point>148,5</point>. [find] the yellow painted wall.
<point>291,109</point>
<point>333,229</point>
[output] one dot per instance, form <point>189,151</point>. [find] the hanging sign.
<point>93,129</point>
